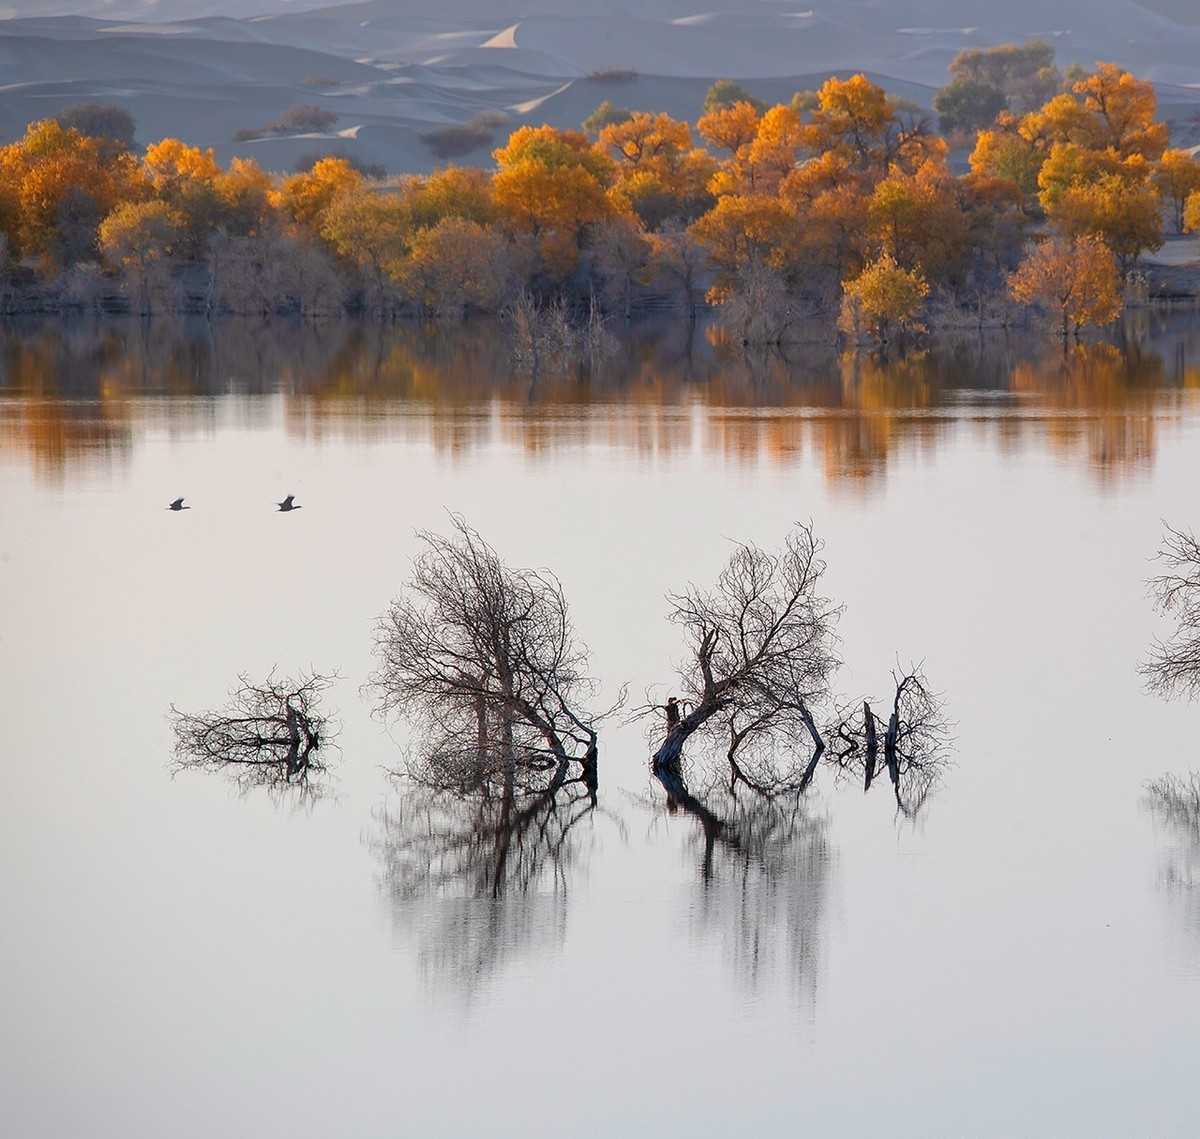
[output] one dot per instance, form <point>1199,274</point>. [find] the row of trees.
<point>840,201</point>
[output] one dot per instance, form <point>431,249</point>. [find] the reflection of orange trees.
<point>72,392</point>
<point>1103,401</point>
<point>48,420</point>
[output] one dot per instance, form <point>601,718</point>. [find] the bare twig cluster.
<point>1173,665</point>
<point>271,734</point>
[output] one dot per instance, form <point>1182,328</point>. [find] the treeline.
<point>840,203</point>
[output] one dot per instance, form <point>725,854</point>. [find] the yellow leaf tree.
<point>1077,281</point>
<point>370,230</point>
<point>1191,213</point>
<point>883,298</point>
<point>139,238</point>
<point>1177,177</point>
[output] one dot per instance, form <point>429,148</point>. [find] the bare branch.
<point>1173,665</point>
<point>269,735</point>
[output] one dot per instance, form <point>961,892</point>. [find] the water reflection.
<point>79,392</point>
<point>1174,804</point>
<point>477,881</point>
<point>762,883</point>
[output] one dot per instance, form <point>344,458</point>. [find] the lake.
<point>1022,958</point>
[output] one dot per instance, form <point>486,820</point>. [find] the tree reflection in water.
<point>481,662</point>
<point>1174,804</point>
<point>764,866</point>
<point>79,391</point>
<point>478,879</point>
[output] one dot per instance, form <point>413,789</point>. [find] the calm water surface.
<point>176,960</point>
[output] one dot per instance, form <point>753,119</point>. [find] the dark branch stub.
<point>270,734</point>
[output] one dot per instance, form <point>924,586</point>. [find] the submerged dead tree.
<point>1173,665</point>
<point>762,652</point>
<point>910,741</point>
<point>761,647</point>
<point>271,734</point>
<point>482,661</point>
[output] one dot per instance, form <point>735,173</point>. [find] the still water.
<point>1023,959</point>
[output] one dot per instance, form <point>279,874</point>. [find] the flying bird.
<point>289,503</point>
<point>178,505</point>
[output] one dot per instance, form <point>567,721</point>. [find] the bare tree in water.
<point>1173,665</point>
<point>271,734</point>
<point>762,654</point>
<point>911,742</point>
<point>483,662</point>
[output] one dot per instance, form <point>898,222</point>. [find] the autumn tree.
<point>1126,214</point>
<point>185,177</point>
<point>744,229</point>
<point>244,197</point>
<point>1076,281</point>
<point>140,238</point>
<point>1003,151</point>
<point>303,198</point>
<point>551,185</point>
<point>916,220</point>
<point>1177,177</point>
<point>858,120</point>
<point>730,126</point>
<point>457,265</point>
<point>463,192</point>
<point>830,203</point>
<point>1191,213</point>
<point>883,298</point>
<point>60,185</point>
<point>370,231</point>
<point>659,173</point>
<point>1123,112</point>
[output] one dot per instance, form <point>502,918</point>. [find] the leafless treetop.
<point>483,661</point>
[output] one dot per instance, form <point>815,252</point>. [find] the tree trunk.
<point>818,751</point>
<point>872,744</point>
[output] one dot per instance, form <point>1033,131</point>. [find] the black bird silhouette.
<point>289,504</point>
<point>178,505</point>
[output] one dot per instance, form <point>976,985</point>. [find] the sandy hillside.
<point>397,70</point>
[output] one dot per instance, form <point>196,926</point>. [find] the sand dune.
<point>394,69</point>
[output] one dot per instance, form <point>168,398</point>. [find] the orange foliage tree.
<point>1077,281</point>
